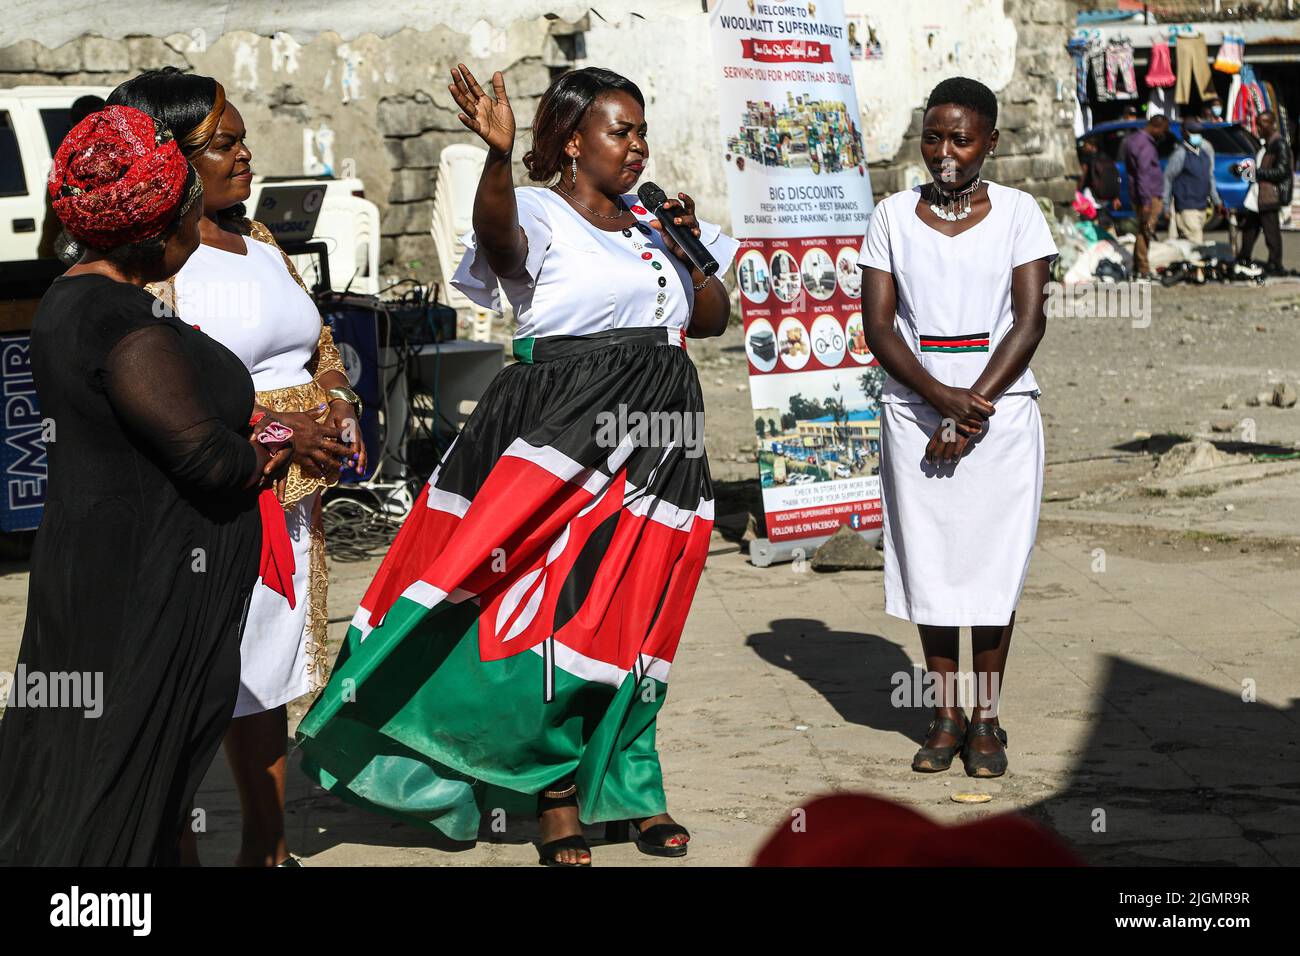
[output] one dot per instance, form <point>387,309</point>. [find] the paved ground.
<point>1124,696</point>
<point>1154,603</point>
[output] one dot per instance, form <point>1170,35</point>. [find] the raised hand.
<point>489,116</point>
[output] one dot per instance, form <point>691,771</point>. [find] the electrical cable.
<point>362,518</point>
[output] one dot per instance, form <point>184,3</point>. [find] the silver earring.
<point>574,174</point>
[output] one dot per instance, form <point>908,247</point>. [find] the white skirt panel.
<point>273,649</point>
<point>958,537</point>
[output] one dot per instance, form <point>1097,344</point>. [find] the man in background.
<point>1100,176</point>
<point>1189,184</point>
<point>1146,186</point>
<point>1271,191</point>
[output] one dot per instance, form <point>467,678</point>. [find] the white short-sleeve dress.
<point>958,537</point>
<point>521,629</point>
<point>251,304</point>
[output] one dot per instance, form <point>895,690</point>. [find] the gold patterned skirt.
<point>306,398</point>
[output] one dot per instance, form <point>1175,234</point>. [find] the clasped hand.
<point>316,447</point>
<point>962,414</point>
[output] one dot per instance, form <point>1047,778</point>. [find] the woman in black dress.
<point>149,545</point>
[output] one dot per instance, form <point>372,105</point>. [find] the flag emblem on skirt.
<point>522,627</point>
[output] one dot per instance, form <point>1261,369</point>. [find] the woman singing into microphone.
<point>513,651</point>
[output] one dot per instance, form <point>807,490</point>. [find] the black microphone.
<point>653,198</point>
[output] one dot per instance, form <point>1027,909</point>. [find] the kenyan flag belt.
<point>975,342</point>
<point>522,626</point>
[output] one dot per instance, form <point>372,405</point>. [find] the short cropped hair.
<point>965,92</point>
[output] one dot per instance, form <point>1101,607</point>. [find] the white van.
<point>34,121</point>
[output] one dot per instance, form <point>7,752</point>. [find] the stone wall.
<point>379,107</point>
<point>1033,80</point>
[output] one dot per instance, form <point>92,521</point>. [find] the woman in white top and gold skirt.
<point>954,284</point>
<point>240,289</point>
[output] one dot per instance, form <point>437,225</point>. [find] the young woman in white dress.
<point>241,290</point>
<point>955,276</point>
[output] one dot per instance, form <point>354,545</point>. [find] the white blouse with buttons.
<point>578,279</point>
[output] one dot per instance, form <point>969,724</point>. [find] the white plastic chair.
<point>349,225</point>
<point>459,168</point>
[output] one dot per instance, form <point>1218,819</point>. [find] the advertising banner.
<point>22,439</point>
<point>800,202</point>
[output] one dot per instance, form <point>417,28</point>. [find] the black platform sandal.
<point>548,853</point>
<point>652,841</point>
<point>939,759</point>
<point>981,764</point>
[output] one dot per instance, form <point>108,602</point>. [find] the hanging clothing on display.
<point>1193,68</point>
<point>1078,48</point>
<point>1082,119</point>
<point>1097,67</point>
<point>1249,102</point>
<point>1270,96</point>
<point>1121,82</point>
<point>1231,53</point>
<point>1234,91</point>
<point>1160,102</point>
<point>1160,73</point>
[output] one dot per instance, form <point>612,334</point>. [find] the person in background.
<point>1146,186</point>
<point>1099,175</point>
<point>1270,191</point>
<point>1189,184</point>
<point>1212,110</point>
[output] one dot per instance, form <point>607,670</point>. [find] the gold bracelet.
<point>703,284</point>
<point>345,394</point>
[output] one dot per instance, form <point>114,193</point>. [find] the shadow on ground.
<point>316,821</point>
<point>1168,770</point>
<point>851,670</point>
<point>1171,771</point>
<point>1180,772</point>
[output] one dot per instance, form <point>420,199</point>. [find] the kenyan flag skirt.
<point>521,629</point>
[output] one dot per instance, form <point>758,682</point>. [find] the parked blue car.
<point>1231,142</point>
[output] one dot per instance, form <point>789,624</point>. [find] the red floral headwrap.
<point>118,177</point>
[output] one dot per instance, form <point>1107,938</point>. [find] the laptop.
<point>290,212</point>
